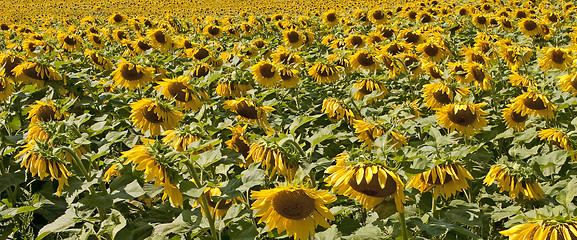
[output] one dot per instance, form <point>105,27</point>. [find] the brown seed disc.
<point>295,205</point>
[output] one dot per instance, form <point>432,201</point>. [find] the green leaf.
<point>11,212</point>
<point>188,188</point>
<point>251,177</point>
<point>500,214</point>
<point>186,222</point>
<point>329,234</point>
<point>301,120</point>
<point>62,223</point>
<point>323,134</point>
<point>11,179</point>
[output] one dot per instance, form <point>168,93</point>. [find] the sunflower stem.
<point>434,207</point>
<point>203,201</point>
<point>78,162</point>
<point>403,226</point>
<point>3,171</point>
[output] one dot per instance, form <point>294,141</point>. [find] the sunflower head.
<point>160,39</point>
<point>35,73</point>
<point>446,179</point>
<point>248,110</point>
<point>117,18</point>
<point>232,89</point>
<point>534,104</point>
<point>239,143</point>
<point>330,18</point>
<point>153,115</point>
<point>363,59</point>
<point>6,88</point>
<point>554,57</point>
<point>185,95</point>
<point>543,229</point>
<point>293,38</point>
<point>465,118</point>
<point>367,86</point>
<point>44,112</point>
<point>514,119</point>
<point>98,60</point>
<point>265,73</point>
<point>519,184</point>
<point>70,42</point>
<point>274,158</point>
<point>132,76</point>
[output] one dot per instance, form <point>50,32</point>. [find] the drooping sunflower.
<point>514,119</point>
<point>132,76</point>
<point>554,57</point>
<point>35,73</point>
<point>519,81</point>
<point>432,70</point>
<point>6,88</point>
<point>534,104</point>
<point>110,172</point>
<point>367,86</point>
<point>217,208</point>
<point>151,157</point>
<point>364,59</point>
<point>336,111</point>
<point>433,50</point>
<point>477,74</point>
<point>9,62</point>
<point>44,112</point>
<point>517,185</point>
<point>325,73</point>
<point>248,110</point>
<point>438,94</point>
<point>232,89</point>
<point>465,118</point>
<point>152,115</point>
<point>284,56</point>
<point>38,160</point>
<point>289,77</point>
<point>160,39</point>
<point>368,182</point>
<point>567,82</point>
<point>273,158</point>
<point>98,60</point>
<point>265,73</point>
<point>446,179</point>
<point>298,210</point>
<point>180,138</point>
<point>96,40</point>
<point>355,41</point>
<point>119,35</point>
<point>480,21</point>
<point>239,143</point>
<point>412,64</point>
<point>560,140</point>
<point>369,132</point>
<point>546,229</point>
<point>70,42</point>
<point>186,96</point>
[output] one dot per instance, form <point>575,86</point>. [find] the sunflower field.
<point>262,119</point>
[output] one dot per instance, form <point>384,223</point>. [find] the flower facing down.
<point>296,210</point>
<point>150,115</point>
<point>543,230</point>
<point>518,187</point>
<point>465,118</point>
<point>444,179</point>
<point>249,111</point>
<point>38,161</point>
<point>132,76</point>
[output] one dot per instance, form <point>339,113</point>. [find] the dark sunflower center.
<point>442,97</point>
<point>94,57</point>
<point>213,30</point>
<point>553,17</point>
<point>201,53</point>
<point>93,30</point>
<point>478,74</point>
<point>187,44</point>
<point>117,18</point>
<point>266,70</point>
<point>394,49</point>
<point>448,178</point>
<point>481,20</point>
<point>147,23</point>
<point>177,90</point>
<point>96,39</point>
<point>521,14</point>
<point>463,117</point>
<point>11,64</point>
<point>460,71</point>
<point>364,90</point>
<point>295,205</point>
<point>46,113</point>
<point>241,145</point>
<point>434,72</point>
<point>373,188</point>
<point>247,111</point>
<point>410,62</point>
<point>285,75</point>
<point>463,12</point>
<point>131,74</point>
<point>558,56</point>
<point>220,204</point>
<point>431,50</point>
<point>356,41</point>
<point>121,35</point>
<point>293,37</point>
<point>425,18</point>
<point>530,25</point>
<point>325,71</point>
<point>159,37</point>
<point>2,86</point>
<point>376,39</point>
<point>387,32</point>
<point>506,23</point>
<point>201,71</point>
<point>535,104</point>
<point>365,59</point>
<point>412,15</point>
<point>331,17</point>
<point>411,37</point>
<point>378,15</point>
<point>259,44</point>
<point>150,115</point>
<point>247,28</point>
<point>32,73</point>
<point>4,27</point>
<point>518,117</point>
<point>285,58</point>
<point>574,83</point>
<point>70,41</point>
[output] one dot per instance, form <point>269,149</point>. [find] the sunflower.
<point>437,94</point>
<point>554,57</point>
<point>117,18</point>
<point>363,59</point>
<point>44,112</point>
<point>110,172</point>
<point>289,77</point>
<point>151,116</point>
<point>432,70</point>
<point>412,63</point>
<point>181,138</point>
<point>368,132</point>
<point>219,207</point>
<point>132,76</point>
<point>325,73</point>
<point>151,158</point>
<point>272,158</point>
<point>119,35</point>
<point>377,16</point>
<point>294,209</point>
<point>411,37</point>
<point>567,82</point>
<point>293,38</point>
<point>465,118</point>
<point>547,229</point>
<point>330,18</point>
<point>249,111</point>
<point>367,86</point>
<point>369,183</point>
<point>6,88</point>
<point>519,81</point>
<point>284,56</point>
<point>232,89</point>
<point>265,73</point>
<point>336,111</point>
<point>38,160</point>
<point>98,60</point>
<point>560,140</point>
<point>139,45</point>
<point>186,96</point>
<point>9,62</point>
<point>355,41</point>
<point>96,40</point>
<point>199,53</point>
<point>160,39</point>
<point>239,143</point>
<point>514,119</point>
<point>70,42</point>
<point>446,179</point>
<point>532,103</point>
<point>480,21</point>
<point>478,75</point>
<point>35,73</point>
<point>433,50</point>
<point>529,27</point>
<point>458,71</point>
<point>518,187</point>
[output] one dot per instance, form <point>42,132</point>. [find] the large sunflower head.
<point>363,59</point>
<point>96,40</point>
<point>239,143</point>
<point>185,95</point>
<point>534,104</point>
<point>132,76</point>
<point>543,229</point>
<point>568,83</point>
<point>153,157</point>
<point>369,182</point>
<point>119,35</point>
<point>294,209</point>
<point>513,181</point>
<point>285,56</point>
<point>232,89</point>
<point>433,50</point>
<point>265,73</point>
<point>152,115</point>
<point>293,38</point>
<point>35,73</point>
<point>558,138</point>
<point>446,179</point>
<point>273,158</point>
<point>98,60</point>
<point>554,57</point>
<point>367,86</point>
<point>160,39</point>
<point>465,118</point>
<point>289,77</point>
<point>529,27</point>
<point>438,94</point>
<point>477,74</point>
<point>117,18</point>
<point>6,88</point>
<point>180,138</point>
<point>330,18</point>
<point>9,62</point>
<point>248,110</point>
<point>70,42</point>
<point>336,110</point>
<point>355,41</point>
<point>514,119</point>
<point>377,16</point>
<point>44,112</point>
<point>38,159</point>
